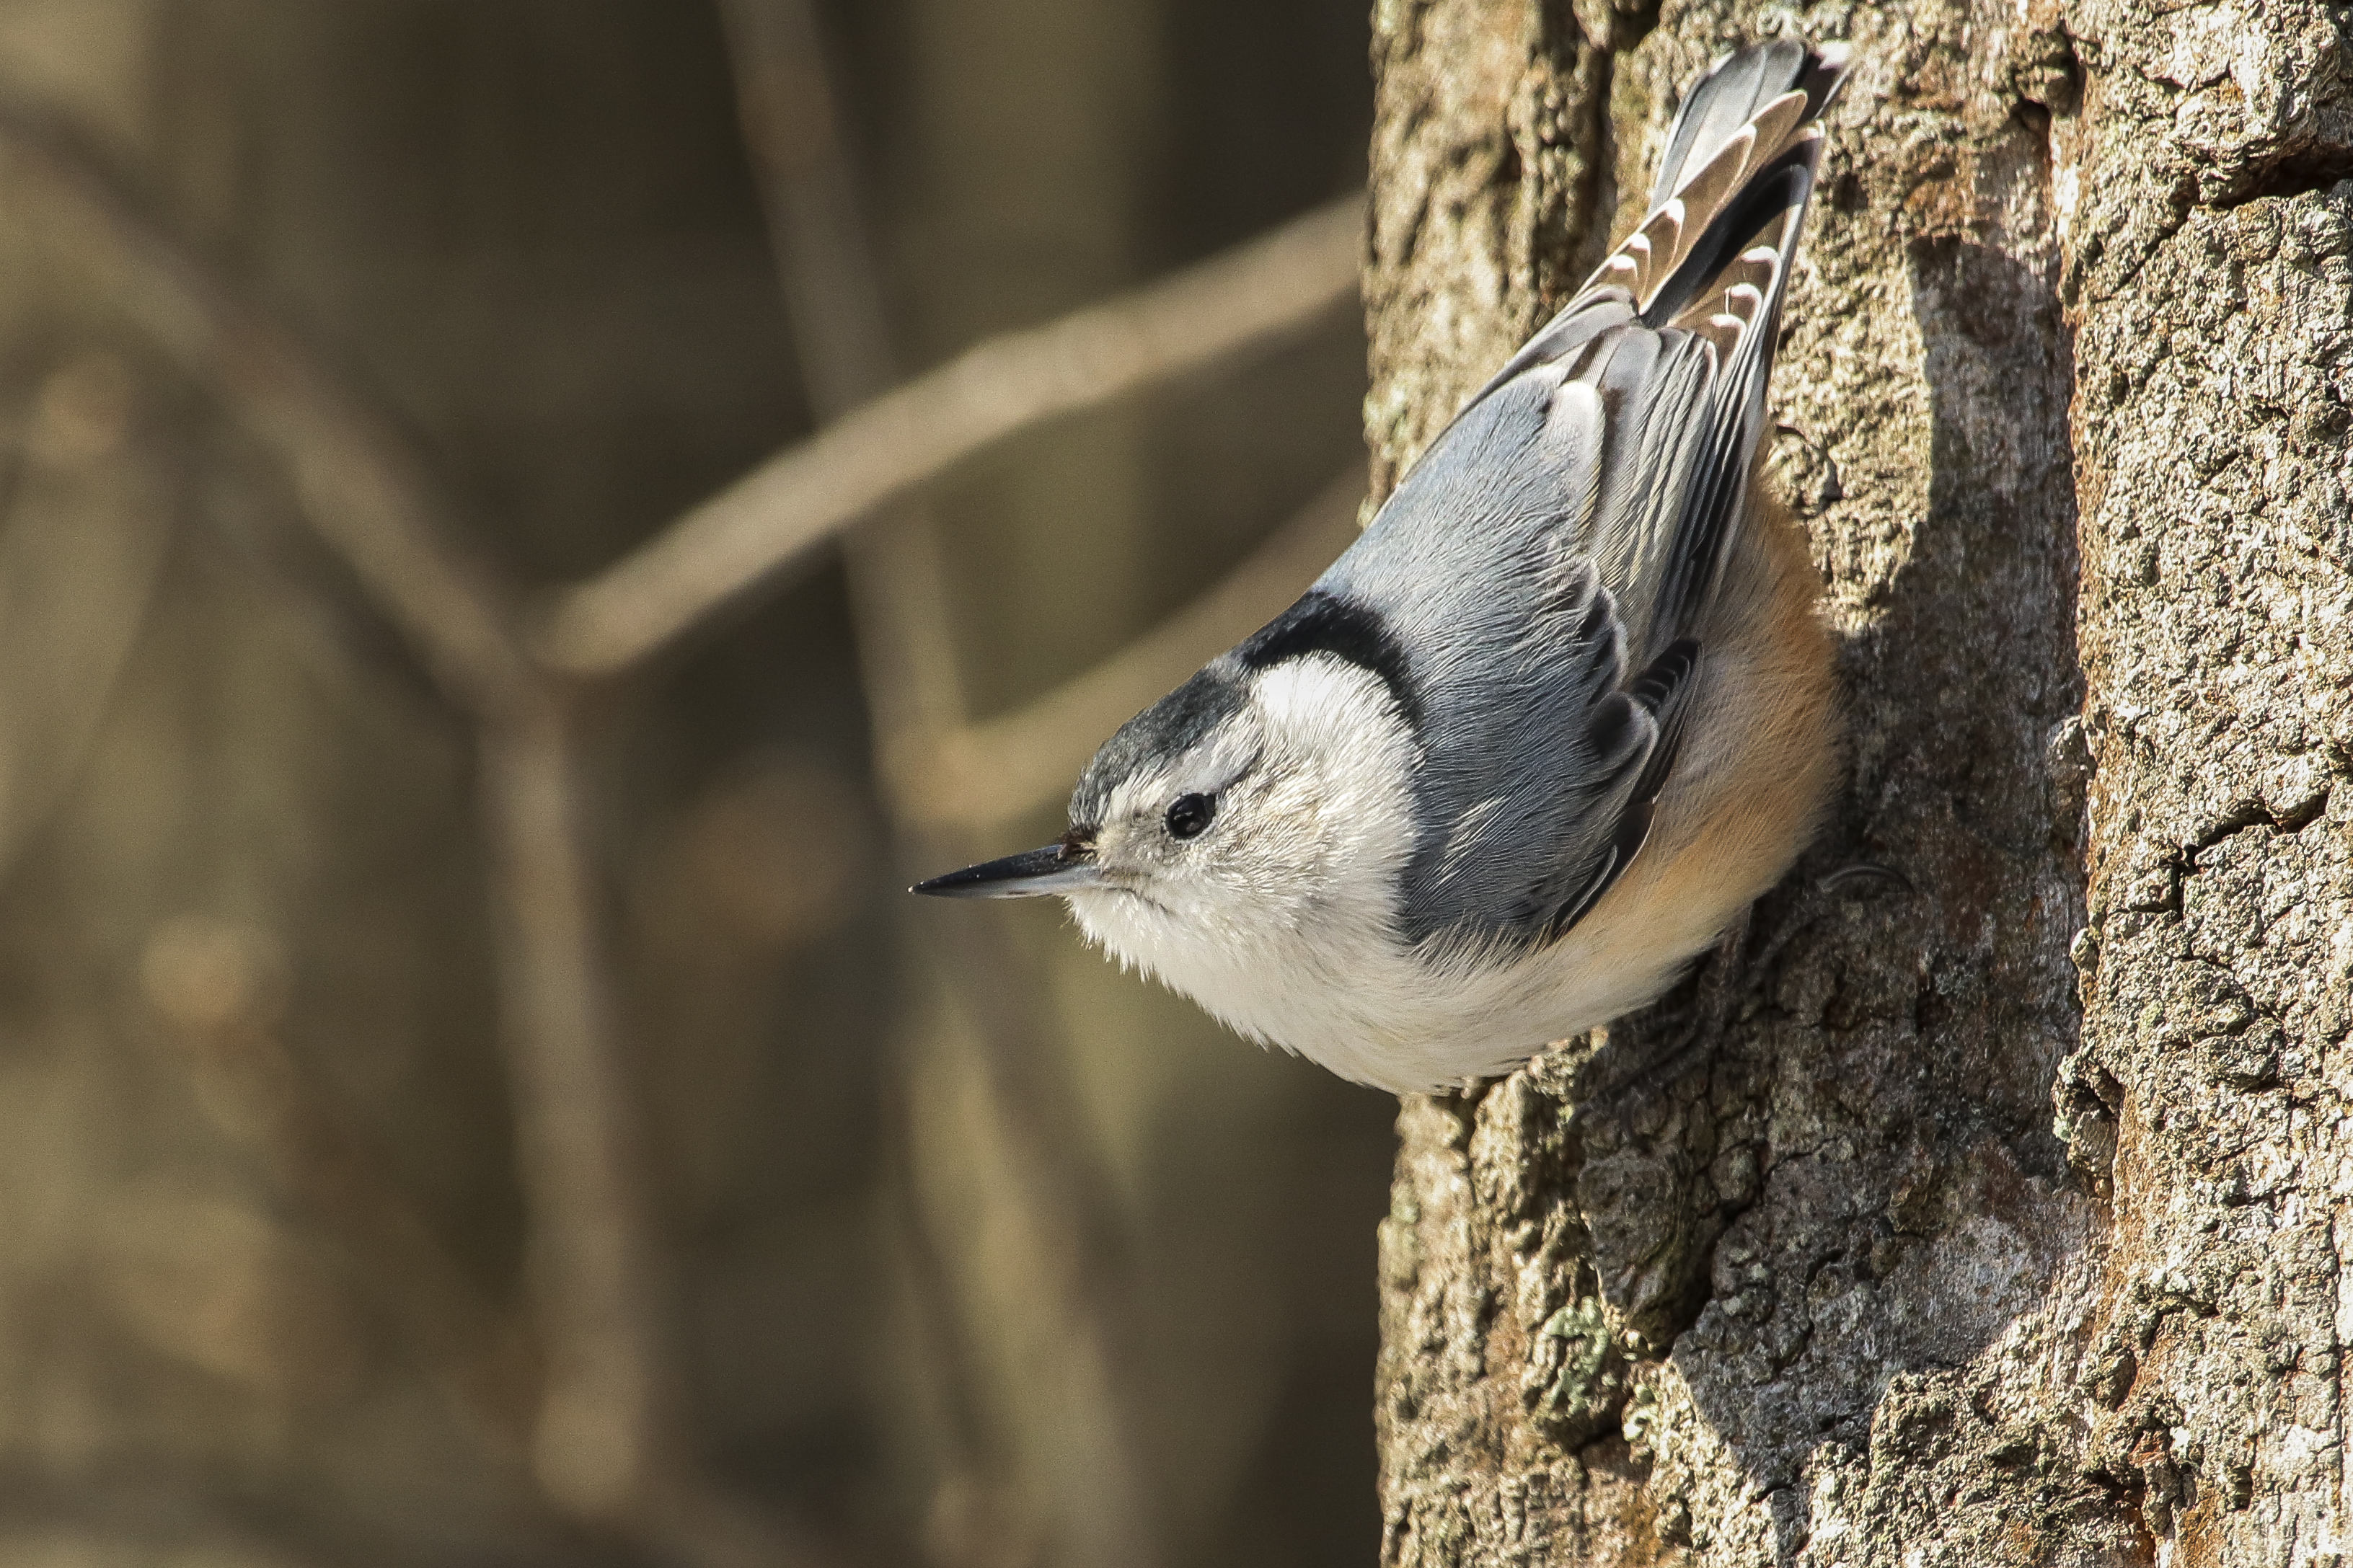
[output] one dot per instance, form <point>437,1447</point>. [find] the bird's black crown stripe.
<point>1325,623</point>
<point>1169,728</point>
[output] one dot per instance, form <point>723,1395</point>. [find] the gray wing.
<point>1550,560</point>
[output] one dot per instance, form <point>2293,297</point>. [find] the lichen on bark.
<point>1880,1240</point>
<point>2209,281</point>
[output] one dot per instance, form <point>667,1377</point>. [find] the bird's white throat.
<point>1282,919</point>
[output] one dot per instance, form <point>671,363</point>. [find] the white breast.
<point>1293,940</point>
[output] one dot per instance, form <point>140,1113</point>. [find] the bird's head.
<point>1250,808</point>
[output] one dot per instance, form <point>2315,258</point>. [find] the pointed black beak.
<point>1056,868</point>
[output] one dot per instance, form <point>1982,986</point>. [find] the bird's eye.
<point>1190,815</point>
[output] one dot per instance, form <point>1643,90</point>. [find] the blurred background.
<point>452,1122</point>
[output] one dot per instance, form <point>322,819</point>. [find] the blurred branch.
<point>87,515</point>
<point>361,487</point>
<point>371,501</point>
<point>1039,1194</point>
<point>608,1445</point>
<point>825,267</point>
<point>611,1444</point>
<point>978,775</point>
<point>1257,294</point>
<point>606,1407</point>
<point>841,344</point>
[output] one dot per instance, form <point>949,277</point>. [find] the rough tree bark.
<point>1998,1219</point>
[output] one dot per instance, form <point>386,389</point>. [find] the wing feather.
<point>1552,558</point>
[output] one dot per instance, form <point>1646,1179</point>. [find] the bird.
<point>1560,713</point>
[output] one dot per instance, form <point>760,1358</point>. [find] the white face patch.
<point>1231,750</point>
<point>1294,885</point>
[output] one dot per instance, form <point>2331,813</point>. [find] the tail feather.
<point>1715,179</point>
<point>1753,110</point>
<point>1736,207</point>
<point>1735,91</point>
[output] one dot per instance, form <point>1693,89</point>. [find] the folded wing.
<point>1552,557</point>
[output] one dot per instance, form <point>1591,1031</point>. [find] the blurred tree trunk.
<point>1800,1266</point>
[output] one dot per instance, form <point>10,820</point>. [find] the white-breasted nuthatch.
<point>1553,722</point>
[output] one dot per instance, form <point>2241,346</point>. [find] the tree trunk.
<point>1993,1216</point>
